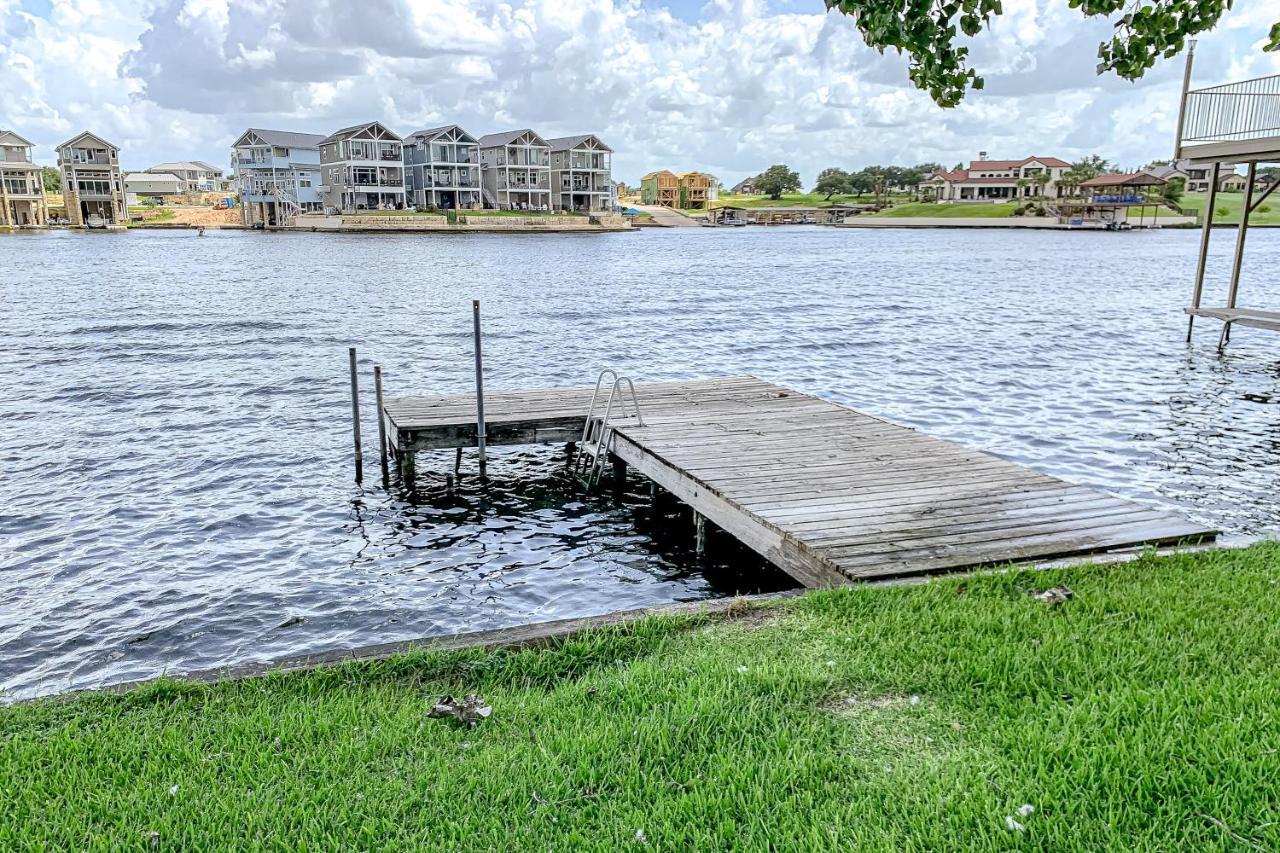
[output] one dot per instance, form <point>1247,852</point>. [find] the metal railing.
<point>1248,109</point>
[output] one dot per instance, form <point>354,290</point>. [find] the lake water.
<point>174,413</point>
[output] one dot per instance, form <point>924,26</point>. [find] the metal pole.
<point>475,314</point>
<point>1206,228</point>
<point>1240,235</point>
<point>355,414</point>
<point>382,426</point>
<point>1182,105</point>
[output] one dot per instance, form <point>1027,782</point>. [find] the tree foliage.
<point>778,179</point>
<point>831,181</point>
<point>51,178</point>
<point>928,32</point>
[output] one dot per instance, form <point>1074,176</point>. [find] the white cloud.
<point>731,89</point>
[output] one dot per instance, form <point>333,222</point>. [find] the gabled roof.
<point>281,138</point>
<point>1129,179</point>
<point>1004,165</point>
<point>73,140</point>
<point>181,166</point>
<point>357,129</point>
<point>11,137</point>
<point>492,140</point>
<point>431,133</point>
<point>568,143</point>
<point>206,166</point>
<point>153,177</point>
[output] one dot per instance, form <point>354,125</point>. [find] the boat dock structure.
<point>1222,127</point>
<point>826,493</point>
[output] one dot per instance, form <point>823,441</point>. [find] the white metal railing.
<point>1249,109</point>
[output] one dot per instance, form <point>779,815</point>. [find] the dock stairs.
<point>597,431</point>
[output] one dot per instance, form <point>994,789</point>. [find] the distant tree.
<point>862,182</point>
<point>1040,180</point>
<point>831,181</point>
<point>935,36</point>
<point>1171,192</point>
<point>778,179</point>
<point>51,178</point>
<point>1269,170</point>
<point>1091,167</point>
<point>1155,163</point>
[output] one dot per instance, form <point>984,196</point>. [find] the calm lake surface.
<point>175,413</point>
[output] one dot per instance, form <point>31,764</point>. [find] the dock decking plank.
<point>825,492</point>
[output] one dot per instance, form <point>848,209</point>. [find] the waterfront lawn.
<point>1140,714</point>
<point>950,211</point>
<point>1227,208</point>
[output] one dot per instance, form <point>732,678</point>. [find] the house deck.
<point>827,493</point>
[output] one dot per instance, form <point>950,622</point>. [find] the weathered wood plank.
<point>823,491</point>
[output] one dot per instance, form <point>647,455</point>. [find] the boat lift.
<point>1228,125</point>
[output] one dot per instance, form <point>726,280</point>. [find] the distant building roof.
<point>92,136</point>
<point>491,140</point>
<point>12,137</point>
<point>1126,179</point>
<point>182,166</point>
<point>286,138</point>
<point>567,143</point>
<point>153,178</point>
<point>347,132</point>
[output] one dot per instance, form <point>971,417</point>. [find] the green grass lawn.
<point>984,211</point>
<point>1140,715</point>
<point>1227,208</point>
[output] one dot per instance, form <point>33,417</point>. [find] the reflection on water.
<point>174,414</point>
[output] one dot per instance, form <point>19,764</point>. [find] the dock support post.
<point>408,470</point>
<point>1206,228</point>
<point>475,316</point>
<point>619,473</point>
<point>1241,233</point>
<point>699,533</point>
<point>355,414</point>
<point>457,461</point>
<point>382,426</point>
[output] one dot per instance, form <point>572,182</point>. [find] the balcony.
<point>1234,121</point>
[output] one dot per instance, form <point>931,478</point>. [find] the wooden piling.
<point>382,426</point>
<point>699,533</point>
<point>475,317</point>
<point>355,414</point>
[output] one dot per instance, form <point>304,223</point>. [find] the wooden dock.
<point>827,493</point>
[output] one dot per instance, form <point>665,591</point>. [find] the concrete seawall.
<point>478,222</point>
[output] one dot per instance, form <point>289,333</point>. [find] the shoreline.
<point>535,635</point>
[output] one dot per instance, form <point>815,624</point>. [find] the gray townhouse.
<point>362,168</point>
<point>276,173</point>
<point>22,199</point>
<point>92,187</point>
<point>442,168</point>
<point>515,170</point>
<point>580,173</point>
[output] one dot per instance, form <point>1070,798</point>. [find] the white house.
<point>996,180</point>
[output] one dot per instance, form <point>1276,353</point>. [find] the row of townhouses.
<point>280,174</point>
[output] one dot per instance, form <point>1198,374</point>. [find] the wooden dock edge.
<point>546,634</point>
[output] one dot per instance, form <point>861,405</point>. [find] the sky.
<point>726,86</point>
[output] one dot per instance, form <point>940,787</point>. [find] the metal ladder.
<point>593,448</point>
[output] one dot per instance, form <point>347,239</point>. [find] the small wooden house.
<point>661,188</point>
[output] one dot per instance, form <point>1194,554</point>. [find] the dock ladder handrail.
<point>598,430</point>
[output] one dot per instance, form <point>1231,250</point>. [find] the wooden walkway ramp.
<point>826,493</point>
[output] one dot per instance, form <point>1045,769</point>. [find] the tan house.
<point>998,180</point>
<point>660,188</point>
<point>92,187</point>
<point>22,199</point>
<point>694,190</point>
